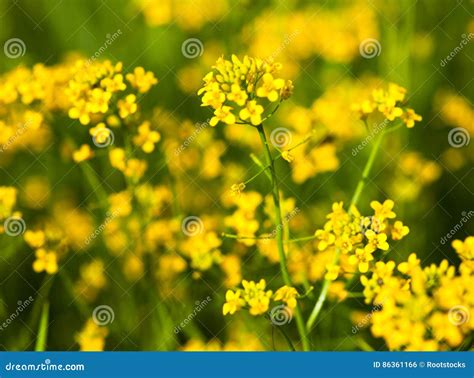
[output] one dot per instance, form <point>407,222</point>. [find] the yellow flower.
<point>146,138</point>
<point>237,95</point>
<point>80,112</point>
<point>253,111</point>
<point>7,200</point>
<point>113,84</point>
<point>256,297</point>
<point>92,337</point>
<point>384,210</point>
<point>361,258</point>
<point>325,237</point>
<point>35,239</point>
<point>410,117</point>
<point>45,261</point>
<point>83,153</point>
<point>223,114</point>
<point>117,158</point>
<point>409,266</point>
<point>135,168</point>
<point>128,106</point>
<point>141,80</point>
<point>99,101</point>
<point>376,241</point>
<point>332,272</point>
<point>465,250</point>
<point>233,302</point>
<point>100,133</point>
<point>287,156</point>
<point>399,230</point>
<point>286,294</point>
<point>270,87</point>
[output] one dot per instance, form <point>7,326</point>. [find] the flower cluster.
<point>422,308</point>
<point>256,298</point>
<point>241,91</point>
<point>357,238</point>
<point>388,102</point>
<point>93,86</point>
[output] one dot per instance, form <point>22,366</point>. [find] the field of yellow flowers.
<point>236,175</point>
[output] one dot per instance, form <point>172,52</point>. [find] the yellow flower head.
<point>233,302</point>
<point>141,80</point>
<point>286,294</point>
<point>46,261</point>
<point>83,153</point>
<point>240,91</point>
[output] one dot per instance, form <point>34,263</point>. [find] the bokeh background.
<point>319,44</point>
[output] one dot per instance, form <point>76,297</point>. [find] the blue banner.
<point>236,364</point>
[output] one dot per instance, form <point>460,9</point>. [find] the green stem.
<point>366,171</point>
<point>355,198</point>
<point>43,329</point>
<point>279,233</point>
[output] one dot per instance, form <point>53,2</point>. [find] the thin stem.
<point>355,198</point>
<point>43,329</point>
<point>279,233</point>
<point>239,237</point>
<point>366,171</point>
<point>304,238</point>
